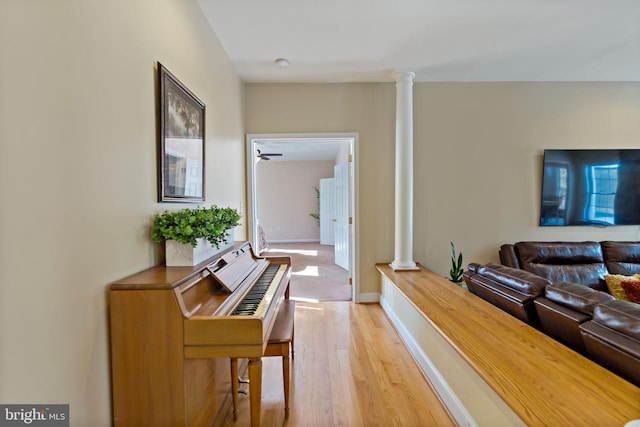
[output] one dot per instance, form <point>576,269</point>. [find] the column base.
<point>404,265</point>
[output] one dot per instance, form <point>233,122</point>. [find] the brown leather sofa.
<point>578,262</point>
<point>557,288</point>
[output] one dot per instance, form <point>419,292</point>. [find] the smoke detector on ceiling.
<point>282,62</point>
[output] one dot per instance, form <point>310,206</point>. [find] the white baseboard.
<point>369,297</point>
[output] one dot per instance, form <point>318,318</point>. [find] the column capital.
<point>404,76</point>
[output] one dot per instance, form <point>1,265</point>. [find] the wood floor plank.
<point>350,369</point>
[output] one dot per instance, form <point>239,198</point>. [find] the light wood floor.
<point>350,369</point>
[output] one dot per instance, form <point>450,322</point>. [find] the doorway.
<point>307,147</point>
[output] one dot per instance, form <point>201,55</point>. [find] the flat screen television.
<point>590,187</point>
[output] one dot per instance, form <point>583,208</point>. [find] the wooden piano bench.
<point>281,343</point>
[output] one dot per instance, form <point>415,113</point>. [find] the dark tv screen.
<point>590,187</point>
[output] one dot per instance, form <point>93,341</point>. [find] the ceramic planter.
<point>183,254</point>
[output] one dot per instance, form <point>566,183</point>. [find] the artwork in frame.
<point>180,142</point>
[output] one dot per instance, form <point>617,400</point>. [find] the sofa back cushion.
<point>577,262</point>
<point>621,257</point>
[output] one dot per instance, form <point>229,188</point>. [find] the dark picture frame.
<point>181,137</point>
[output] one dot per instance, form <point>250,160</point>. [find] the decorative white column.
<point>404,173</point>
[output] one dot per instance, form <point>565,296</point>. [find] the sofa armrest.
<point>521,281</point>
<point>473,267</point>
<point>508,256</point>
<point>576,297</point>
<point>510,289</point>
<point>564,308</point>
<point>561,323</point>
<point>612,338</point>
<point>620,316</point>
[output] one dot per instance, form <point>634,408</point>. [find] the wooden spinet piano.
<point>173,330</point>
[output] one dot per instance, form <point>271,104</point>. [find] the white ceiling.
<point>439,40</point>
<point>300,150</point>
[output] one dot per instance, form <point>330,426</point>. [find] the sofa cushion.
<point>621,257</point>
<point>620,316</point>
<point>614,284</point>
<point>576,262</point>
<point>519,280</point>
<point>632,289</point>
<point>577,297</point>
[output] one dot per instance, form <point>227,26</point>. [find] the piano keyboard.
<point>259,297</point>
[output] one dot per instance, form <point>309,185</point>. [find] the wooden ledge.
<point>541,380</point>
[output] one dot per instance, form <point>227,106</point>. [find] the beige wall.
<point>366,108</point>
<point>286,198</point>
<point>78,176</point>
<point>477,156</point>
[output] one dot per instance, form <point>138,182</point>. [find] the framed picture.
<point>180,141</point>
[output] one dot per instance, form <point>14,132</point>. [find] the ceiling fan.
<point>267,156</point>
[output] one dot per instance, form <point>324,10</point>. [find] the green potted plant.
<point>455,274</point>
<point>193,235</point>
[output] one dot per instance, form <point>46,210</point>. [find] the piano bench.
<point>281,338</point>
<point>280,344</point>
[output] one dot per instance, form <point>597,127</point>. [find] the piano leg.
<point>234,386</point>
<point>285,376</point>
<point>255,390</point>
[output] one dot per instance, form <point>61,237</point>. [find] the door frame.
<point>252,211</point>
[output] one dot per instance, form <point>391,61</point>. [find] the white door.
<point>327,211</point>
<point>341,175</point>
